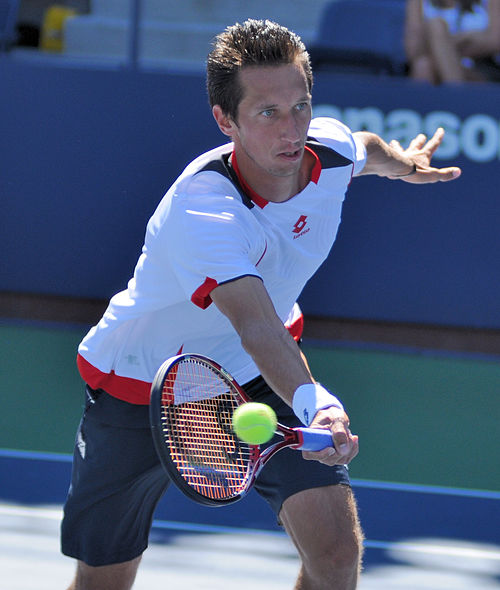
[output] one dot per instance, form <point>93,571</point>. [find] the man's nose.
<point>290,129</point>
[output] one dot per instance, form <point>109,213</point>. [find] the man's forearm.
<point>278,358</point>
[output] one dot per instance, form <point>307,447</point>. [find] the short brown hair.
<point>253,43</point>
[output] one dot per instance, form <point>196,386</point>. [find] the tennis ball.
<point>254,423</point>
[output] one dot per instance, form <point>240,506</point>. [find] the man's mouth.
<point>291,155</point>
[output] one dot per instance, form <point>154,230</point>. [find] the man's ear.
<point>225,123</point>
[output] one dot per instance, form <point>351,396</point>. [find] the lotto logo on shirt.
<point>299,226</point>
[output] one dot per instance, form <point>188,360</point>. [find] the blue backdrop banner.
<point>87,154</point>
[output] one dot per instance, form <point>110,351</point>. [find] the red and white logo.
<point>299,227</point>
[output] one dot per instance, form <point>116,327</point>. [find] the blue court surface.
<point>416,536</point>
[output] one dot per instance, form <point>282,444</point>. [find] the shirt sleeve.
<point>211,241</point>
<point>340,138</point>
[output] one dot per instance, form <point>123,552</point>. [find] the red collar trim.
<point>316,171</point>
<point>256,198</point>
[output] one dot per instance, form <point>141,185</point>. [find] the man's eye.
<point>302,106</point>
<point>267,113</point>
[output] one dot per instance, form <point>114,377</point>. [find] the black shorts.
<point>117,478</point>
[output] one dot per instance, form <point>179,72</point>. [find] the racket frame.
<point>292,437</point>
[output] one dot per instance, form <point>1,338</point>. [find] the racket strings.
<point>198,404</point>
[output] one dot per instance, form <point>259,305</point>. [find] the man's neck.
<point>275,189</point>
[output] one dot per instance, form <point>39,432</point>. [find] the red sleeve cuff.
<point>201,297</point>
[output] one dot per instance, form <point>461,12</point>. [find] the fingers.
<point>346,450</point>
<point>421,144</point>
<point>394,143</point>
<point>429,175</point>
<point>421,151</point>
<point>342,454</point>
<point>434,142</point>
<point>346,445</point>
<point>418,142</point>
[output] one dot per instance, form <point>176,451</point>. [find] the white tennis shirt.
<point>206,231</point>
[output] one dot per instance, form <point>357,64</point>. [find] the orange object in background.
<point>52,31</point>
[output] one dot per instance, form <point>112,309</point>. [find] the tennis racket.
<point>192,403</point>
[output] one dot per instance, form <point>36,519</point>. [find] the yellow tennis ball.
<point>254,423</point>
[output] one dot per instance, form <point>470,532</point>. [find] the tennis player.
<point>226,255</point>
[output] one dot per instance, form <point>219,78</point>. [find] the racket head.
<point>191,409</point>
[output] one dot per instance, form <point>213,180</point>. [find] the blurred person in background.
<point>453,40</point>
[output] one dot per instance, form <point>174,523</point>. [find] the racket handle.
<point>313,439</point>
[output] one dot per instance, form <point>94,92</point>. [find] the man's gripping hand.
<point>346,444</point>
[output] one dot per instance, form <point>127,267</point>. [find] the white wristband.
<point>311,397</point>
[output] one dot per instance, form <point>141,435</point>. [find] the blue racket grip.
<point>313,439</point>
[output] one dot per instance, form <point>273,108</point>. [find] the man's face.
<point>273,120</point>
